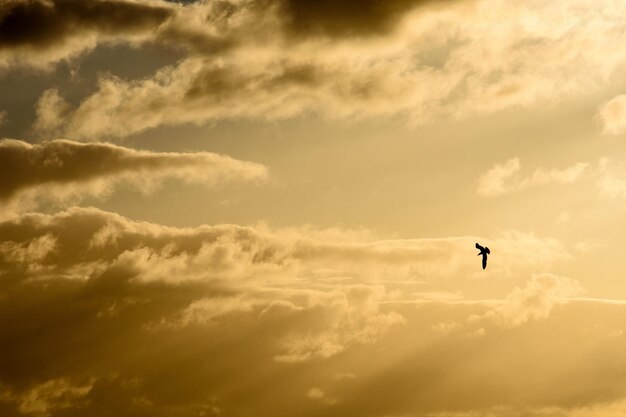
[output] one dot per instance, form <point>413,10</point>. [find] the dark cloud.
<point>341,18</point>
<point>40,24</point>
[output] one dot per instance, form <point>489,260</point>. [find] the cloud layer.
<point>63,169</point>
<point>422,60</point>
<point>39,32</point>
<point>102,314</point>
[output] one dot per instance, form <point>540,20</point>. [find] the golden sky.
<point>269,208</point>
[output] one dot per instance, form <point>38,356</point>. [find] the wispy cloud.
<point>612,116</point>
<point>258,300</point>
<point>612,179</point>
<point>536,300</point>
<point>503,179</point>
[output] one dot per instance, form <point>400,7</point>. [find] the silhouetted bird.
<point>484,251</point>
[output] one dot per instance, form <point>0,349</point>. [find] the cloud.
<point>63,169</point>
<point>555,176</point>
<point>612,116</point>
<point>207,317</point>
<point>230,251</point>
<point>151,281</point>
<point>611,179</point>
<point>347,18</point>
<point>425,63</point>
<point>358,321</point>
<point>536,300</point>
<point>244,265</point>
<point>234,258</point>
<point>48,397</point>
<point>502,179</point>
<point>493,182</point>
<point>39,32</point>
<point>319,395</point>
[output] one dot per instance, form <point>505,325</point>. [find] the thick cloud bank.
<point>420,60</point>
<point>38,32</point>
<point>103,315</point>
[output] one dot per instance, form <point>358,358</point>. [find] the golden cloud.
<point>100,313</point>
<point>536,300</point>
<point>63,169</point>
<point>41,32</point>
<point>502,179</point>
<point>437,61</point>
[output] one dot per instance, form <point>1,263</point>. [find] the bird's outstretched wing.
<point>480,248</point>
<point>484,261</point>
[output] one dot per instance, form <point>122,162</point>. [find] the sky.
<point>270,208</point>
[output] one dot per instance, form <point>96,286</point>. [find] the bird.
<point>484,251</point>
